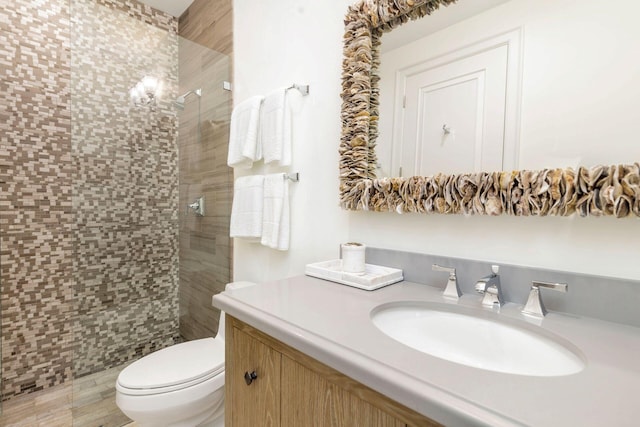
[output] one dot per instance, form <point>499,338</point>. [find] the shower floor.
<point>90,402</point>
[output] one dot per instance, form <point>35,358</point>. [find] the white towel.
<point>247,207</point>
<point>244,148</point>
<point>275,128</point>
<point>275,217</point>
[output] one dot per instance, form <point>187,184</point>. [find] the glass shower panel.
<point>124,81</point>
<point>203,136</point>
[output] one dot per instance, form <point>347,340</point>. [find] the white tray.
<point>374,276</point>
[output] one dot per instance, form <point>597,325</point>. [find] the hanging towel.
<point>275,217</point>
<point>275,128</point>
<point>244,147</point>
<point>247,207</point>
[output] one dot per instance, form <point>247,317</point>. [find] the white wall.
<point>277,42</point>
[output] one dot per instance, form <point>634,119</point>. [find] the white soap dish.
<point>374,276</point>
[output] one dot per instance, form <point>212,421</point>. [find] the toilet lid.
<point>175,365</point>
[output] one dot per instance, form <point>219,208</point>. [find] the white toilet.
<point>179,386</point>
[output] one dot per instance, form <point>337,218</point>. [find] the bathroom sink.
<point>477,338</point>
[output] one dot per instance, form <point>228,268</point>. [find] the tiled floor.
<point>90,402</point>
<point>51,407</point>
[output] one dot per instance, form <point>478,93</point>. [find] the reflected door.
<point>454,116</point>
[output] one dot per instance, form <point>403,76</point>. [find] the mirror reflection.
<point>485,85</point>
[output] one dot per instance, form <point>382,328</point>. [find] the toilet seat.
<point>173,368</point>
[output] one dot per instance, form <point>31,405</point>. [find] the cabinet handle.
<point>249,377</point>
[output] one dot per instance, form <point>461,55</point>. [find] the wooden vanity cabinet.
<point>257,403</point>
<point>291,389</point>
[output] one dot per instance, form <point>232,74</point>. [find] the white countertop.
<point>331,323</point>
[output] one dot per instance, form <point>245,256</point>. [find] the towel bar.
<point>304,89</point>
<point>294,177</point>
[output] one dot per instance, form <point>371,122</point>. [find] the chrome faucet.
<point>452,290</point>
<point>489,286</point>
<point>534,305</point>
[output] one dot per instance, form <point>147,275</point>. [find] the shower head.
<point>179,102</point>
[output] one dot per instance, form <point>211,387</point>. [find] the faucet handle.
<point>560,287</point>
<point>197,206</point>
<point>450,270</point>
<point>534,305</point>
<point>452,290</point>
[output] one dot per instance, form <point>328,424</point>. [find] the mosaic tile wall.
<point>36,248</point>
<point>125,185</point>
<point>88,189</point>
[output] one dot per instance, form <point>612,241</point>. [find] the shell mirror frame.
<point>602,190</point>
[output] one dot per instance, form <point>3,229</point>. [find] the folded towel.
<point>247,207</point>
<point>244,148</point>
<point>275,128</point>
<point>275,216</point>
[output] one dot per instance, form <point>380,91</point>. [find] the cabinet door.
<point>257,403</point>
<point>310,400</point>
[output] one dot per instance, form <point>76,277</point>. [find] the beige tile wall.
<point>125,186</point>
<point>88,189</point>
<point>36,221</point>
<point>205,246</point>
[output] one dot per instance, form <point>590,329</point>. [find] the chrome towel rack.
<point>294,177</point>
<point>303,89</point>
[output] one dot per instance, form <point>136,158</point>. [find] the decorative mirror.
<point>612,190</point>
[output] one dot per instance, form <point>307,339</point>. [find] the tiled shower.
<point>101,261</point>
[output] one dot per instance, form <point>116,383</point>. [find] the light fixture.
<point>145,92</point>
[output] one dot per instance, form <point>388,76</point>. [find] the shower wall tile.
<point>125,184</point>
<point>210,24</point>
<point>205,246</point>
<point>143,13</point>
<point>88,189</point>
<point>36,222</point>
<point>124,323</point>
